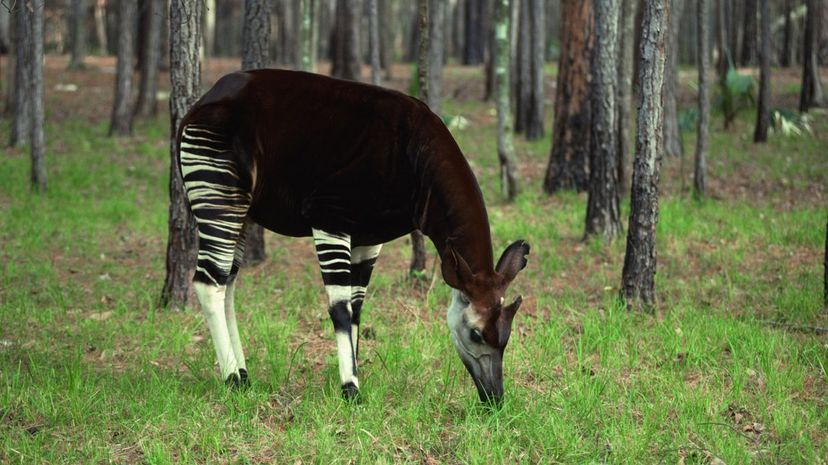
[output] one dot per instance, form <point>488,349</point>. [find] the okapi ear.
<point>456,272</point>
<point>513,260</point>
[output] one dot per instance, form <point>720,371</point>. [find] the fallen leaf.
<point>101,316</point>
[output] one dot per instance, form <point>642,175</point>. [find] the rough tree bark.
<point>436,47</point>
<point>811,92</point>
<point>749,34</point>
<point>474,43</point>
<point>505,149</point>
<point>603,217</point>
<point>255,55</point>
<point>786,54</point>
<point>531,56</point>
<point>307,56</point>
<point>21,124</point>
<point>673,144</point>
<point>386,38</point>
<point>638,277</point>
<point>721,37</point>
<point>568,163</point>
<point>373,41</point>
<point>121,122</point>
<point>763,112</point>
<point>77,33</point>
<point>625,87</point>
<point>346,48</point>
<point>150,61</point>
<point>33,10</point>
<point>418,251</point>
<point>185,79</point>
<point>704,102</point>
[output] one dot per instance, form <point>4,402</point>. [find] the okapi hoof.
<point>244,379</point>
<point>233,382</point>
<point>350,392</point>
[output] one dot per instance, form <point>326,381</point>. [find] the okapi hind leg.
<point>363,259</point>
<point>334,254</point>
<point>219,197</point>
<point>230,313</point>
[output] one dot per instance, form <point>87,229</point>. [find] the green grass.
<point>92,372</point>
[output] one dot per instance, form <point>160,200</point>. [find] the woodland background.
<point>718,357</point>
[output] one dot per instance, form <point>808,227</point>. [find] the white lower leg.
<point>232,328</point>
<point>346,359</point>
<point>212,300</point>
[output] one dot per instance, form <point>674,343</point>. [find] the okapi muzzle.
<point>480,324</point>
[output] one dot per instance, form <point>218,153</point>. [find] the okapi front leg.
<point>334,254</point>
<point>362,264</point>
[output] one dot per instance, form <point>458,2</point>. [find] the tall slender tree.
<point>638,277</point>
<point>786,53</point>
<point>673,144</point>
<point>255,55</point>
<point>436,48</point>
<point>721,38</point>
<point>30,47</point>
<point>418,250</point>
<point>474,44</point>
<point>21,102</point>
<point>749,33</point>
<point>704,102</point>
<point>603,216</point>
<point>811,91</point>
<point>150,60</point>
<point>77,32</point>
<point>505,149</point>
<point>531,59</point>
<point>763,113</point>
<point>373,41</point>
<point>121,122</point>
<point>346,41</point>
<point>625,87</point>
<point>185,79</point>
<point>568,164</point>
<point>308,28</point>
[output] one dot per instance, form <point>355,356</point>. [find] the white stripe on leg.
<point>212,300</point>
<point>232,327</point>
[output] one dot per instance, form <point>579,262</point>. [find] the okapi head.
<point>479,320</point>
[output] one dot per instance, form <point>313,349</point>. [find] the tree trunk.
<point>763,113</point>
<point>749,34</point>
<point>34,80</point>
<point>638,277</point>
<point>568,162</point>
<point>505,149</point>
<point>5,31</point>
<point>346,51</point>
<point>811,92</point>
<point>704,102</point>
<point>77,33</point>
<point>255,55</point>
<point>418,251</point>
<point>10,90</point>
<point>373,42</point>
<point>474,43</point>
<point>531,58</point>
<point>436,20</point>
<point>209,33</point>
<point>121,122</point>
<point>625,88</point>
<point>100,26</point>
<point>386,38</point>
<point>721,37</point>
<point>151,50</point>
<point>603,215</point>
<point>21,124</point>
<point>185,79</point>
<point>785,57</point>
<point>673,143</point>
<point>309,24</point>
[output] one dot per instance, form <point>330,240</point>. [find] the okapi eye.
<point>476,336</point>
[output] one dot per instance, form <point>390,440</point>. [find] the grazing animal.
<point>353,166</point>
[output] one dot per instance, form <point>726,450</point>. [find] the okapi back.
<point>347,157</point>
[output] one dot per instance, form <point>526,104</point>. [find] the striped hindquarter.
<point>345,273</point>
<point>219,199</point>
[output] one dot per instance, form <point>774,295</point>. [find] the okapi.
<point>354,166</point>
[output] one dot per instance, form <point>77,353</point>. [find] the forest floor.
<point>730,369</point>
